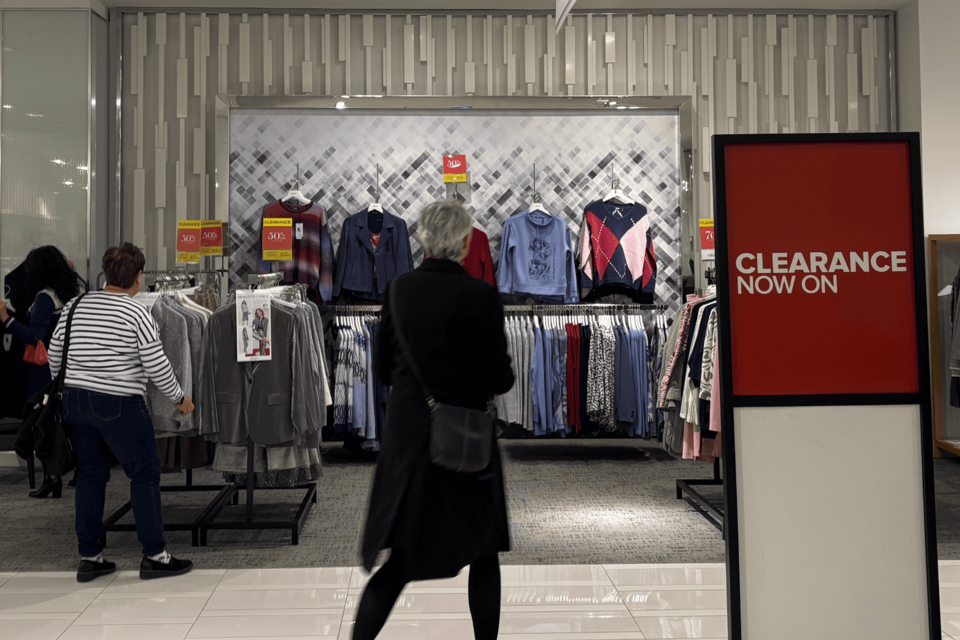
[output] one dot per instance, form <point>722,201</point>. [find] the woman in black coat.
<point>436,521</point>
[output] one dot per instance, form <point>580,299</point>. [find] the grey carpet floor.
<point>574,502</point>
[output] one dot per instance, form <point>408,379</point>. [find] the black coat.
<point>441,520</point>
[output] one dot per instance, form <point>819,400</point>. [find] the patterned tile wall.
<point>575,155</point>
<point>754,73</point>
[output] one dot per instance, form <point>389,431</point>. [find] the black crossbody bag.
<point>461,439</point>
<point>44,430</point>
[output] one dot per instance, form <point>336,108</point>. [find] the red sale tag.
<point>188,241</point>
<point>211,239</point>
<point>707,241</point>
<point>278,239</point>
<point>455,168</point>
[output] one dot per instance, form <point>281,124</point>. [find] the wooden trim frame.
<point>933,253</point>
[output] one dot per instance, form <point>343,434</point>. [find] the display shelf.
<point>933,254</point>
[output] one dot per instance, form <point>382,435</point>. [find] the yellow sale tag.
<point>455,177</point>
<point>706,222</point>
<point>278,254</point>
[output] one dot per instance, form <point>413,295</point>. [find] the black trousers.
<point>386,584</point>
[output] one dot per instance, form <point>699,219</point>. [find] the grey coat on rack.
<point>442,520</point>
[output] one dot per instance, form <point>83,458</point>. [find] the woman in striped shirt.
<point>114,351</point>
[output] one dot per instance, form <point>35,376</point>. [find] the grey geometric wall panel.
<point>576,155</point>
<point>753,73</point>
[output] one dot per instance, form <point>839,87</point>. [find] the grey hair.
<point>443,227</point>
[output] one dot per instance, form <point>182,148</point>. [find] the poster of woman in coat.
<point>253,326</point>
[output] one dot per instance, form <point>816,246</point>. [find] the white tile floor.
<point>577,602</point>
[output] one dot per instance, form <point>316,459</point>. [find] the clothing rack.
<point>713,515</point>
<point>166,280</point>
<point>112,523</point>
<point>265,280</point>
<point>601,308</point>
<point>232,492</point>
<point>351,309</point>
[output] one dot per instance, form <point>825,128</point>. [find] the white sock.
<point>97,558</point>
<point>163,557</point>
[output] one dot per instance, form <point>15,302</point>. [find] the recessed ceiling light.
<point>82,168</point>
<point>68,183</point>
<point>34,115</point>
<point>341,105</point>
<point>8,106</point>
<point>59,162</point>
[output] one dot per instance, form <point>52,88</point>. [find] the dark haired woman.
<point>50,283</point>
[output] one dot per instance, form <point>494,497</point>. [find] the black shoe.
<point>73,480</point>
<point>150,569</point>
<point>51,485</point>
<point>90,570</point>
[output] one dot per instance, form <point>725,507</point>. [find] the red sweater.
<point>478,262</point>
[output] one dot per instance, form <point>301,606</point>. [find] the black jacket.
<point>453,326</point>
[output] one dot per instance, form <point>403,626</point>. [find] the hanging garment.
<point>537,258</point>
<point>365,268</point>
<point>616,252</point>
<point>478,262</point>
<point>358,406</point>
<point>270,402</point>
<point>313,262</point>
<point>174,337</point>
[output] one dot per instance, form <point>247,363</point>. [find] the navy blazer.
<point>361,269</point>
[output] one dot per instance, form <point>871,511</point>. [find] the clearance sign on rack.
<point>211,240</point>
<point>455,168</point>
<point>277,239</point>
<point>188,241</point>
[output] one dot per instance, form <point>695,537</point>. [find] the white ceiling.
<point>360,6</point>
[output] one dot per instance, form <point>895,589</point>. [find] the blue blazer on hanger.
<point>363,269</point>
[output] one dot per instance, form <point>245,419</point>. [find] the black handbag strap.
<point>431,401</point>
<point>62,375</point>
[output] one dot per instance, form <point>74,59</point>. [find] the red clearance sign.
<point>277,239</point>
<point>188,241</point>
<point>211,239</point>
<point>820,268</point>
<point>455,168</point>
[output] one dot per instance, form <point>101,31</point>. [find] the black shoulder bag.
<point>43,424</point>
<point>461,439</point>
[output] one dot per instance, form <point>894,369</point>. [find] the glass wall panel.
<point>44,172</point>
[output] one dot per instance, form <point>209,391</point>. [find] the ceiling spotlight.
<point>68,183</point>
<point>622,107</point>
<point>8,106</point>
<point>82,168</point>
<point>61,162</point>
<point>341,105</point>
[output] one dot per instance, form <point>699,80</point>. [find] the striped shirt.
<point>114,348</point>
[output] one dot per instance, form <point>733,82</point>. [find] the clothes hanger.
<point>295,194</point>
<point>375,206</point>
<point>616,193</point>
<point>537,204</point>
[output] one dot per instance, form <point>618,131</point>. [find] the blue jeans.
<point>123,424</point>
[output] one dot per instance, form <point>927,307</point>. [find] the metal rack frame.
<point>232,492</point>
<point>713,515</point>
<point>112,523</point>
